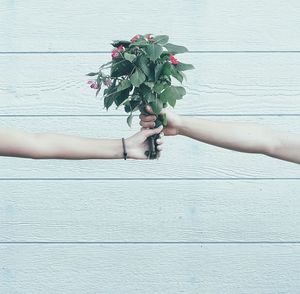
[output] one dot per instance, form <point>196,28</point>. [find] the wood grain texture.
<point>150,211</point>
<point>182,157</point>
<point>201,25</point>
<point>246,226</point>
<point>221,84</point>
<point>165,269</point>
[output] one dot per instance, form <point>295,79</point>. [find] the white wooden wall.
<point>199,220</point>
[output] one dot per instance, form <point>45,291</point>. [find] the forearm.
<point>57,146</point>
<point>244,137</point>
<point>75,147</point>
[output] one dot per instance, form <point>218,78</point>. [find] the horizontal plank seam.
<point>151,179</point>
<point>124,115</point>
<point>146,243</point>
<point>192,51</point>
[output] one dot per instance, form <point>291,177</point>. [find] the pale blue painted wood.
<point>200,24</point>
<point>250,210</point>
<point>151,211</point>
<point>150,268</point>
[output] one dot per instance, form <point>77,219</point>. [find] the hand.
<point>137,144</point>
<point>174,121</point>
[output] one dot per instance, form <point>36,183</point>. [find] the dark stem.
<point>153,152</point>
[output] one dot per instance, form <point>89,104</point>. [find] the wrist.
<point>117,149</point>
<point>181,126</point>
<point>128,148</point>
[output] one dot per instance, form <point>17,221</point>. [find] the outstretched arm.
<point>244,137</point>
<point>57,146</point>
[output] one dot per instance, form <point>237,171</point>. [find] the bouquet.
<point>141,72</point>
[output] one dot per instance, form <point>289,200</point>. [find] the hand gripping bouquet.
<point>142,72</point>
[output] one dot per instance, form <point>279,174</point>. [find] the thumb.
<point>150,132</point>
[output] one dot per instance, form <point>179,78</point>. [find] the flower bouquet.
<point>141,73</point>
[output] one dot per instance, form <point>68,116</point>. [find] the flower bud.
<point>135,38</point>
<point>114,53</point>
<point>173,59</point>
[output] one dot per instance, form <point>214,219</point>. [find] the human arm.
<point>243,137</point>
<point>18,143</point>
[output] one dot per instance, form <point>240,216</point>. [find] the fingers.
<point>151,132</point>
<point>147,118</point>
<point>147,121</point>
<point>147,125</point>
<point>159,148</point>
<point>159,142</point>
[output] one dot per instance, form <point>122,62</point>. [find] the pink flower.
<point>93,84</point>
<point>149,37</point>
<point>121,48</point>
<point>136,37</point>
<point>114,53</point>
<point>173,59</point>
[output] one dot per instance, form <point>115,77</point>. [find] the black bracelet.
<point>124,149</point>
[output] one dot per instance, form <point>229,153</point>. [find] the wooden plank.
<point>182,157</point>
<point>201,25</point>
<point>167,268</point>
<point>150,211</point>
<point>220,84</point>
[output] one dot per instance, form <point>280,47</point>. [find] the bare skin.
<point>243,137</point>
<point>17,143</point>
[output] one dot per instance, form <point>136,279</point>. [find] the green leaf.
<point>140,42</point>
<point>167,69</point>
<point>184,66</point>
<point>156,106</point>
<point>129,119</point>
<point>142,62</point>
<point>121,67</point>
<point>127,107</point>
<point>149,84</point>
<point>124,84</point>
<point>177,74</point>
<point>172,94</point>
<point>146,91</point>
<point>129,57</point>
<point>120,97</point>
<point>158,70</point>
<point>159,87</point>
<point>153,50</point>
<point>175,49</point>
<point>91,74</point>
<point>137,78</point>
<point>108,101</point>
<point>161,39</point>
<point>134,104</point>
<point>170,69</point>
<point>117,43</point>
